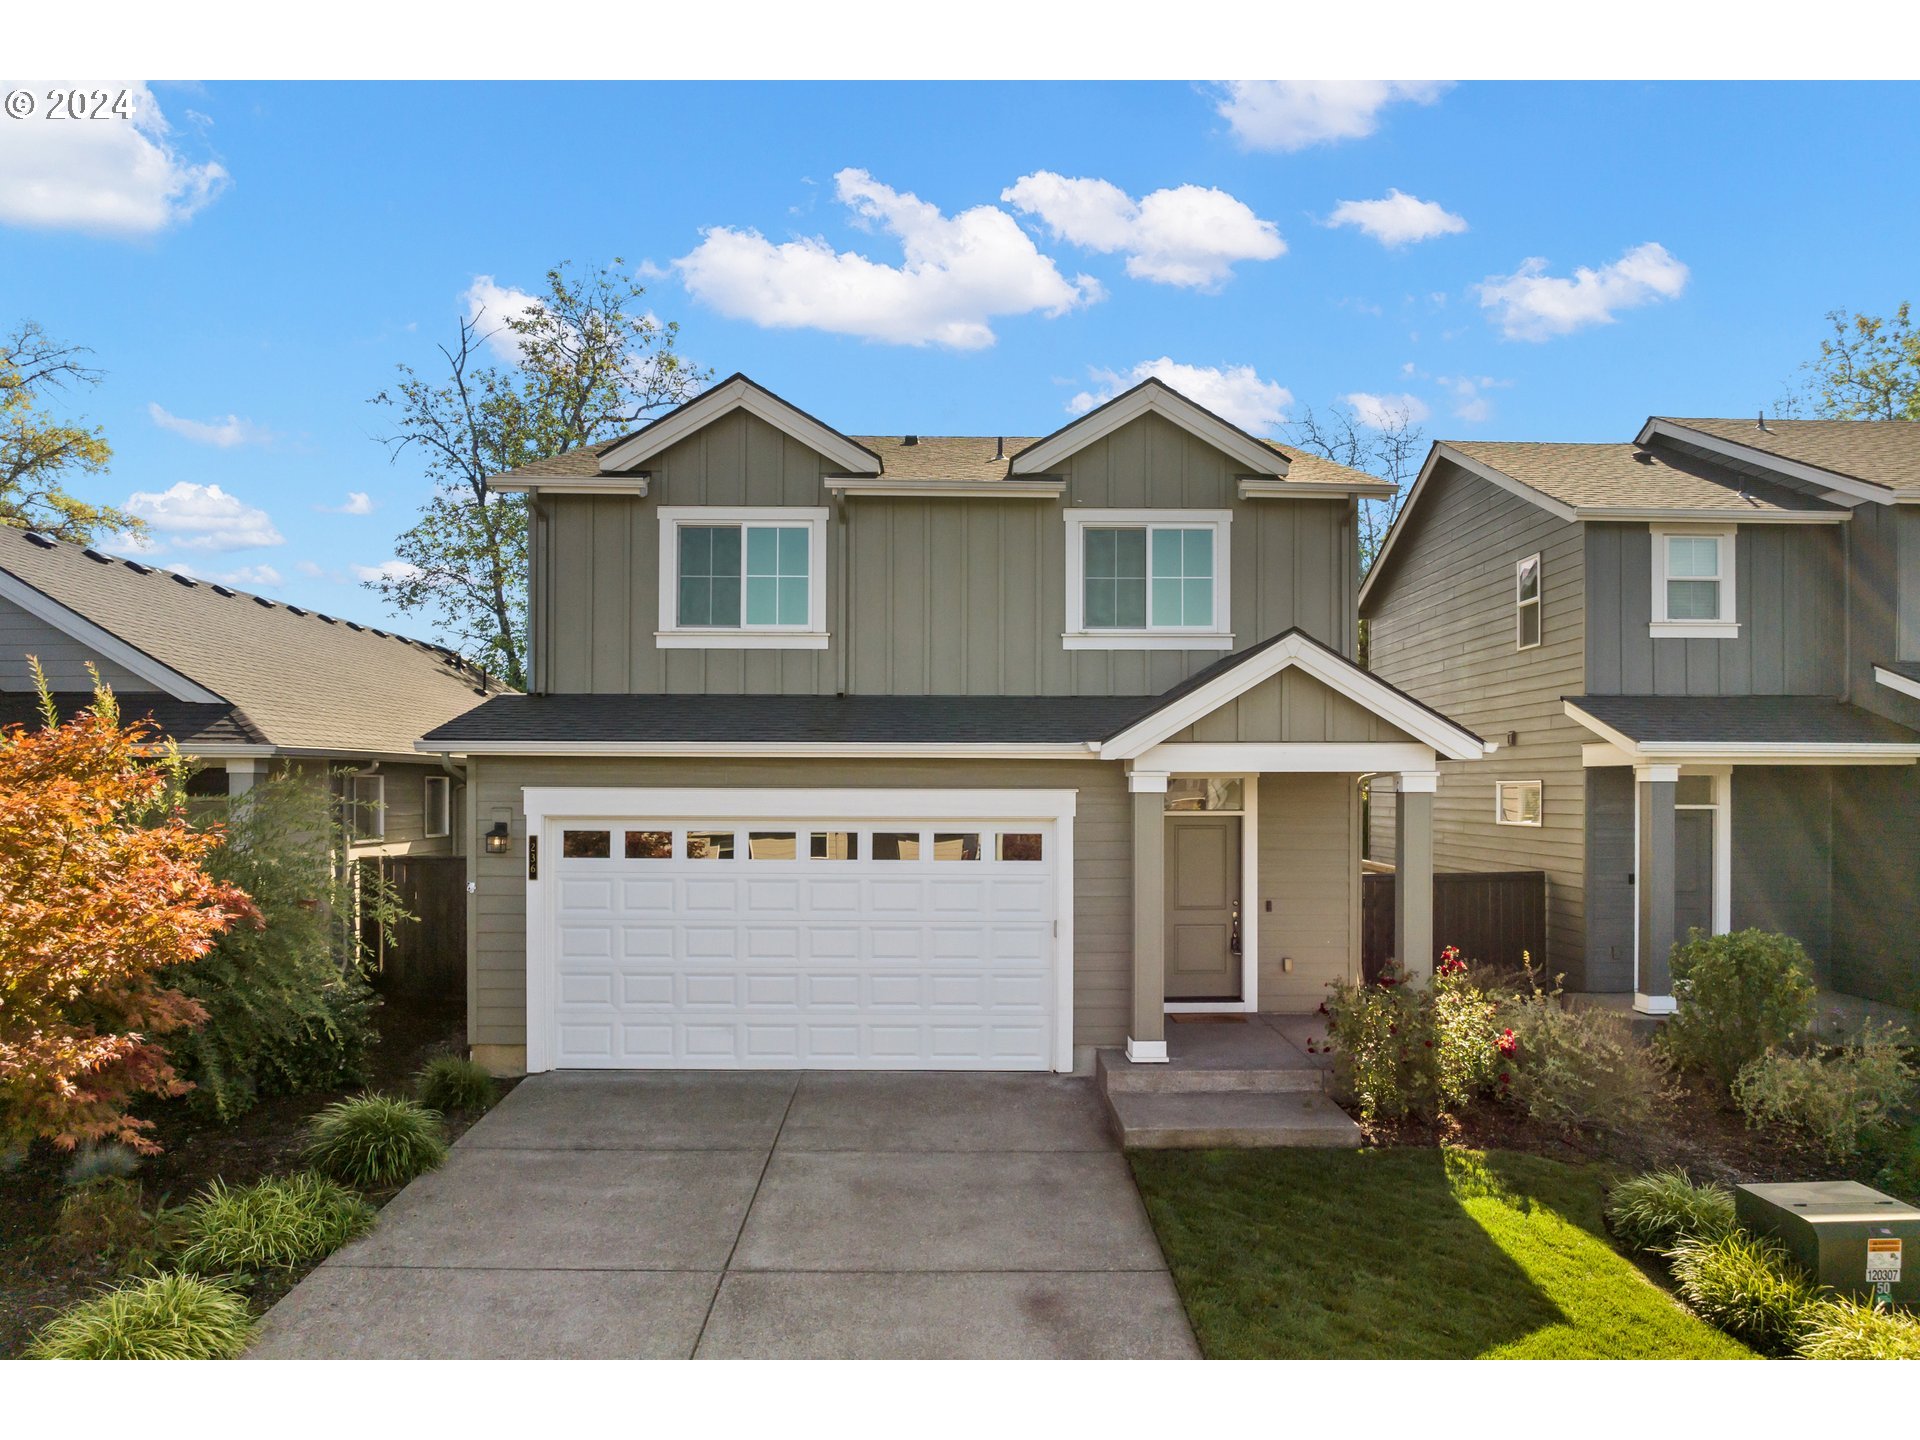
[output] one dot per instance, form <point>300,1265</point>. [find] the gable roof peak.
<point>1156,395</point>
<point>738,391</point>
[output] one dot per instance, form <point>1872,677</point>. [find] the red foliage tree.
<point>101,891</point>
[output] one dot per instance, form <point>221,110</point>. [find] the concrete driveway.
<point>676,1214</point>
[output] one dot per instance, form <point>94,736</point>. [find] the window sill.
<point>1144,640</point>
<point>740,639</point>
<point>1694,629</point>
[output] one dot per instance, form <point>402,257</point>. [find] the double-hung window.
<point>1693,575</point>
<point>742,578</point>
<point>1147,580</point>
<point>1526,603</point>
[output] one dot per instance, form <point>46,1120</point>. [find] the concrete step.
<point>1241,1120</point>
<point>1119,1075</point>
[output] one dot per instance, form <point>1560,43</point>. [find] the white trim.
<point>1703,753</point>
<point>427,782</point>
<point>856,486</point>
<point>772,749</point>
<point>1764,459</point>
<point>1896,681</point>
<point>1539,804</point>
<point>1287,758</point>
<point>1712,517</point>
<point>355,803</point>
<point>672,635</point>
<point>627,485</point>
<point>738,393</point>
<point>1653,1004</point>
<point>1147,782</point>
<point>543,805</point>
<point>1599,753</point>
<point>1146,1052</point>
<point>1217,636</point>
<point>1158,398</point>
<point>1249,813</point>
<point>1331,670</point>
<point>1649,773</point>
<point>110,647</point>
<point>1418,782</point>
<point>1251,487</point>
<point>1726,551</point>
<point>1521,602</point>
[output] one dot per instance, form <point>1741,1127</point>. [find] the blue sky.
<point>1591,254</point>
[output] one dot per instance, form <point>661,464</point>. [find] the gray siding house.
<point>1699,654</point>
<point>927,751</point>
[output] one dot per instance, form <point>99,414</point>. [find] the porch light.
<point>498,839</point>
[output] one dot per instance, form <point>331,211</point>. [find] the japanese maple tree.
<point>101,890</point>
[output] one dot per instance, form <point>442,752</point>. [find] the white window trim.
<point>1726,627</point>
<point>1539,809</point>
<point>1520,605</point>
<point>672,635</point>
<point>428,817</point>
<point>379,831</point>
<point>1217,636</point>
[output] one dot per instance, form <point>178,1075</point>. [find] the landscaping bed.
<point>38,1276</point>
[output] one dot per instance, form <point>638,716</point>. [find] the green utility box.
<point>1848,1237</point>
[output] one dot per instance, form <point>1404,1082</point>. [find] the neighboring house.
<point>926,752</point>
<point>1700,653</point>
<point>242,683</point>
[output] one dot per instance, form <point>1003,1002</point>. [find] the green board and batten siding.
<point>62,658</point>
<point>940,597</point>
<point>1443,628</point>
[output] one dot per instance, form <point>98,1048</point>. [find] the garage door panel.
<point>742,961</point>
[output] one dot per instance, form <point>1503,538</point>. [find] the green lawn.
<point>1414,1254</point>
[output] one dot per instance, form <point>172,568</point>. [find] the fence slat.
<point>1494,918</point>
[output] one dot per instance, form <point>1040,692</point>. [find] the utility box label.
<point>1883,1259</point>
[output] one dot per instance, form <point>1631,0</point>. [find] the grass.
<point>168,1317</point>
<point>376,1142</point>
<point>275,1223</point>
<point>453,1085</point>
<point>1406,1254</point>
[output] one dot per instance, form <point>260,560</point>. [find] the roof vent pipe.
<point>999,447</point>
<point>909,439</point>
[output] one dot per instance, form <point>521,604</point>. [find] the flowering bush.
<point>1466,1040</point>
<point>1409,1050</point>
<point>102,889</point>
<point>1577,1069</point>
<point>1837,1100</point>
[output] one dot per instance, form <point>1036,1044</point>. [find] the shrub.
<point>1747,1286</point>
<point>1736,996</point>
<point>1896,1157</point>
<point>1841,1329</point>
<point>168,1317</point>
<point>450,1084</point>
<point>1660,1211</point>
<point>276,1224</point>
<point>1466,1037</point>
<point>288,1006</point>
<point>1383,1035</point>
<point>1578,1069</point>
<point>107,897</point>
<point>106,1218</point>
<point>101,1162</point>
<point>376,1141</point>
<point>1835,1100</point>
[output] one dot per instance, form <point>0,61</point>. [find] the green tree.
<point>590,365</point>
<point>1868,369</point>
<point>38,451</point>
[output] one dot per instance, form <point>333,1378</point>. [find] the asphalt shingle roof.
<point>1630,476</point>
<point>188,721</point>
<point>1885,452</point>
<point>301,680</point>
<point>1743,719</point>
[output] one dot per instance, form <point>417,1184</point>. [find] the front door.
<point>1203,907</point>
<point>1692,872</point>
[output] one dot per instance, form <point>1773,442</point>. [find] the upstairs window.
<point>1147,580</point>
<point>437,802</point>
<point>1693,583</point>
<point>1526,601</point>
<point>367,807</point>
<point>742,578</point>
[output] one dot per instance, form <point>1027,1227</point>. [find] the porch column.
<point>241,775</point>
<point>1147,1035</point>
<point>1413,874</point>
<point>1653,796</point>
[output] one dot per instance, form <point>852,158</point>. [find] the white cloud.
<point>1188,235</point>
<point>1469,392</point>
<point>1397,219</point>
<point>1382,412</point>
<point>1530,304</point>
<point>958,272</point>
<point>385,570</point>
<point>110,176</point>
<point>225,432</point>
<point>490,305</point>
<point>1233,392</point>
<point>313,571</point>
<point>1293,114</point>
<point>259,577</point>
<point>202,517</point>
<point>358,502</point>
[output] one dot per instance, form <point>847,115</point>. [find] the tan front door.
<point>1203,907</point>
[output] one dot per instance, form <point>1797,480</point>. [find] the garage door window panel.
<point>710,844</point>
<point>1024,846</point>
<point>896,845</point>
<point>772,845</point>
<point>956,846</point>
<point>835,845</point>
<point>586,844</point>
<point>649,845</point>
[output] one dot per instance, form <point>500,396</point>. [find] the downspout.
<point>1846,613</point>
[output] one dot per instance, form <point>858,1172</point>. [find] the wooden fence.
<point>1492,917</point>
<point>429,952</point>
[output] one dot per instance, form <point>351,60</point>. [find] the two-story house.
<point>1700,655</point>
<point>901,752</point>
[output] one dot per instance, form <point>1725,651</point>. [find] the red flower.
<point>1505,1079</point>
<point>1508,1043</point>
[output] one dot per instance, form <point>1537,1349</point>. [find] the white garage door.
<point>809,941</point>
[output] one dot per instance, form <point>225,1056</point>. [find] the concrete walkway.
<point>677,1214</point>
